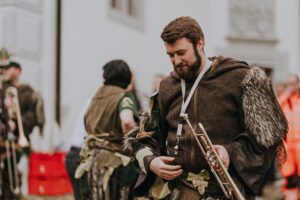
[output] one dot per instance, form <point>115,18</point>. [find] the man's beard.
<point>190,72</point>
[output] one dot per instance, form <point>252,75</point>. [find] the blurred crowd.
<point>288,96</point>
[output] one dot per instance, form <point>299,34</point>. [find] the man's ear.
<point>200,44</point>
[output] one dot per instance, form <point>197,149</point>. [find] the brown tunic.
<point>217,104</point>
<point>102,115</point>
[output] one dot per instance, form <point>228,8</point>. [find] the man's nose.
<point>177,60</point>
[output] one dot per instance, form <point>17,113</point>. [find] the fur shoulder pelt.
<point>131,139</point>
<point>262,113</point>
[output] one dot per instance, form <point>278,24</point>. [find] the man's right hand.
<point>160,167</point>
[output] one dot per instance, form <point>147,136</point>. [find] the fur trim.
<point>175,194</point>
<point>130,139</point>
<point>130,142</point>
<point>140,155</point>
<point>262,113</point>
<point>144,134</point>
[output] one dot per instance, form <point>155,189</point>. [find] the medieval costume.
<point>110,172</point>
<point>32,107</point>
<point>32,113</point>
<point>236,105</point>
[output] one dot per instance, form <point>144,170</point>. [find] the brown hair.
<point>182,27</point>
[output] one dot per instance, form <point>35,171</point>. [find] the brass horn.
<point>15,112</point>
<point>223,178</point>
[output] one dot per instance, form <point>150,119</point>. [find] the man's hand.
<point>223,155</point>
<point>160,167</point>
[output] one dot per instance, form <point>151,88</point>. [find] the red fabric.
<point>48,174</point>
<point>292,165</point>
<point>291,108</point>
<point>290,194</point>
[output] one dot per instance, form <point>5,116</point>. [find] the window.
<point>127,12</point>
<point>116,4</point>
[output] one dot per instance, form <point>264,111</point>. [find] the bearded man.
<point>235,104</point>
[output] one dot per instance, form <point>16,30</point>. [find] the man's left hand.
<point>223,154</point>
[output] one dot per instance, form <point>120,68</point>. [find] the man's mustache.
<point>181,65</point>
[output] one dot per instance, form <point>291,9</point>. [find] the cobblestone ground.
<point>270,192</point>
<point>62,197</point>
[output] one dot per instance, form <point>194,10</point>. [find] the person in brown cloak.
<point>109,171</point>
<point>237,107</point>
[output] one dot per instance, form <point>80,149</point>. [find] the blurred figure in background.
<point>289,101</point>
<point>111,113</point>
<point>279,88</point>
<point>32,114</point>
<point>31,103</point>
<point>72,158</point>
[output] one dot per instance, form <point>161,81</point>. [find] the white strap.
<point>183,88</point>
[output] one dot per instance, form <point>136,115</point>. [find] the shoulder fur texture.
<point>130,140</point>
<point>262,113</point>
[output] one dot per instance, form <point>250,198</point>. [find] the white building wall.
<point>287,24</point>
